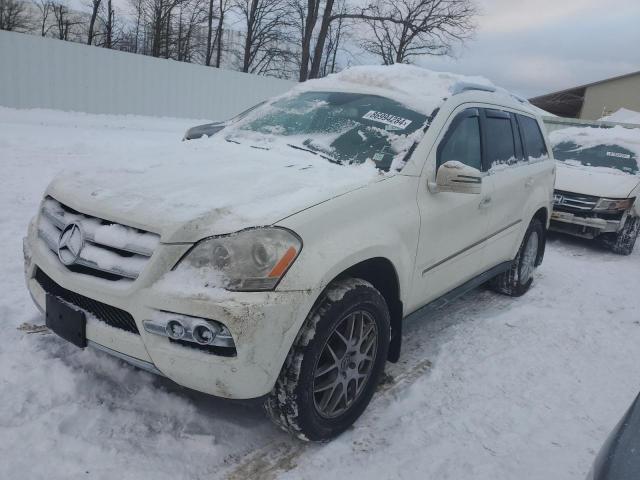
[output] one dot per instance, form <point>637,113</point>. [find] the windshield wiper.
<point>315,153</point>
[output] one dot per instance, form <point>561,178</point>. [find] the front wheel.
<point>335,364</point>
<point>518,279</point>
<point>623,242</point>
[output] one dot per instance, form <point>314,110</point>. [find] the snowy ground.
<point>491,388</point>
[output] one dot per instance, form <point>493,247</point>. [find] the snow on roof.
<point>587,137</point>
<point>421,89</point>
<point>623,115</point>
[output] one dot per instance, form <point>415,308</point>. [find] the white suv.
<point>278,258</point>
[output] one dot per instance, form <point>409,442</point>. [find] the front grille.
<point>108,250</point>
<point>573,202</point>
<point>106,313</point>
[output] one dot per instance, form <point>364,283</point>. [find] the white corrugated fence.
<point>38,72</point>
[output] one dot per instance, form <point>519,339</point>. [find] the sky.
<point>535,47</point>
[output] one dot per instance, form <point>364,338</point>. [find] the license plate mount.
<point>66,321</point>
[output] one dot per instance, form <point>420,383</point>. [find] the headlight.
<point>613,204</point>
<point>249,260</point>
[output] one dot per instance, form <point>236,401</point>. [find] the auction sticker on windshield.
<point>387,119</point>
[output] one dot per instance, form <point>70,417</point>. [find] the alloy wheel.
<point>345,364</point>
<point>529,258</point>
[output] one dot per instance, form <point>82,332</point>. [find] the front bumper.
<point>263,324</point>
<point>584,226</point>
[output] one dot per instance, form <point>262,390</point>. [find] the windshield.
<point>341,127</point>
<point>609,156</point>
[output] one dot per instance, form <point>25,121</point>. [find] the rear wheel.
<point>518,279</point>
<point>623,242</point>
<point>335,363</point>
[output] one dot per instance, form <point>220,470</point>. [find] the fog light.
<point>175,329</point>
<point>204,334</point>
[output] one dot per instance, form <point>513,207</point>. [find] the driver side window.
<point>462,141</point>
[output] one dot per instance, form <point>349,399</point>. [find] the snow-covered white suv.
<point>597,185</point>
<point>279,257</point>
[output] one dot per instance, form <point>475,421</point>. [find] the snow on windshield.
<point>362,114</point>
<point>616,149</point>
<point>342,127</point>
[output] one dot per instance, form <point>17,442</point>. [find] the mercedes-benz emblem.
<point>70,244</point>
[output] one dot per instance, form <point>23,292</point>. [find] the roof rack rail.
<point>519,98</point>
<point>461,87</point>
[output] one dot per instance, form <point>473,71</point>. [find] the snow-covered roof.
<point>623,115</point>
<point>421,89</point>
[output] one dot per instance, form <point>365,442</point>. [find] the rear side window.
<point>532,136</point>
<point>463,143</point>
<point>500,147</point>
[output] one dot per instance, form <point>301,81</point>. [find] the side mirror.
<point>457,177</point>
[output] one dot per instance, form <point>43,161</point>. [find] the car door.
<point>453,226</point>
<point>505,158</point>
<point>517,154</point>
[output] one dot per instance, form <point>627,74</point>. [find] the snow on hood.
<point>599,182</point>
<point>209,187</point>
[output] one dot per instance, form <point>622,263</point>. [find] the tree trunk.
<point>92,21</point>
<point>167,35</point>
<point>209,52</point>
<point>219,37</point>
<point>248,43</point>
<point>312,16</point>
<point>322,37</point>
<point>109,28</point>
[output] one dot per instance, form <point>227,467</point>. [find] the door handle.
<point>528,183</point>
<point>485,202</point>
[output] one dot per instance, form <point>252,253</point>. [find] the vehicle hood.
<point>599,182</point>
<point>209,187</point>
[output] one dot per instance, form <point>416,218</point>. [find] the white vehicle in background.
<point>597,184</point>
<point>279,257</point>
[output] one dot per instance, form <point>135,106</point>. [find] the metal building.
<point>594,100</point>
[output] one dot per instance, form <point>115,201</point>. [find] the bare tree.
<point>45,7</point>
<point>411,27</point>
<point>157,17</point>
<point>138,12</point>
<point>335,38</point>
<point>218,10</point>
<point>14,16</point>
<point>64,19</point>
<point>95,7</point>
<point>190,18</point>
<point>265,46</point>
<point>224,7</point>
<point>400,30</point>
<point>108,26</point>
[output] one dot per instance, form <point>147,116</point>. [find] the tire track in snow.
<point>267,462</point>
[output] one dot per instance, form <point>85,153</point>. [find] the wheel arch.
<point>542,214</point>
<point>382,274</point>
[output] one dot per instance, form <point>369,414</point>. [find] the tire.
<point>518,279</point>
<point>296,402</point>
<point>623,242</point>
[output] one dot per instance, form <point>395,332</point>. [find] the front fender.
<point>381,220</point>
